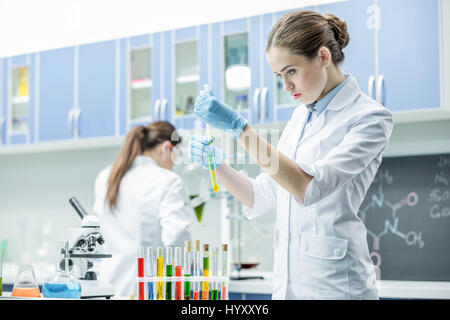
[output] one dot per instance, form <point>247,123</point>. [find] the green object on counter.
<point>0,286</point>
<point>198,209</point>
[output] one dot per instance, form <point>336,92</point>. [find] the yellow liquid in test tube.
<point>159,273</point>
<point>211,163</point>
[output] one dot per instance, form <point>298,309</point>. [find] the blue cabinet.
<point>77,92</point>
<point>96,89</point>
<point>409,54</point>
<point>103,89</point>
<point>394,57</point>
<point>56,94</point>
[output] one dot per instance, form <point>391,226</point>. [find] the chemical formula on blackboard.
<point>407,216</point>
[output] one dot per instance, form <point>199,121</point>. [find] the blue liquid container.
<point>62,290</point>
<point>62,285</point>
<point>150,291</point>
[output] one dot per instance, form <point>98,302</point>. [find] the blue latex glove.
<point>198,149</point>
<point>217,114</point>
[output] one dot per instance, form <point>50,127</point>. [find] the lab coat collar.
<point>144,160</point>
<point>345,96</point>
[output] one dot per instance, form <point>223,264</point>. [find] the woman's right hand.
<point>199,148</point>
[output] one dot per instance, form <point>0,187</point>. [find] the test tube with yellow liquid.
<point>212,163</point>
<point>205,284</point>
<point>159,273</point>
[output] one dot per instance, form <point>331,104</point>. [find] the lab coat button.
<point>337,252</point>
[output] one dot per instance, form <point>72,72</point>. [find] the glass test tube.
<point>169,272</point>
<point>150,272</point>
<point>187,270</point>
<point>214,273</point>
<point>224,291</point>
<point>140,261</point>
<point>159,273</point>
<point>178,271</point>
<point>205,288</point>
<point>212,163</point>
<point>197,268</point>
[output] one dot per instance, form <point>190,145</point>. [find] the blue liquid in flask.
<point>62,290</point>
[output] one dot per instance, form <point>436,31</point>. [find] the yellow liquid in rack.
<point>159,273</point>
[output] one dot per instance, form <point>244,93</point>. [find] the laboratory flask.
<point>62,284</point>
<point>26,284</point>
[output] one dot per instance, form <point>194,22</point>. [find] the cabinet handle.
<point>77,118</point>
<point>370,86</point>
<point>255,101</point>
<point>163,109</point>
<point>156,110</point>
<point>2,122</point>
<point>70,122</point>
<point>264,93</point>
<point>379,92</point>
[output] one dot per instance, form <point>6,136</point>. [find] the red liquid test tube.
<point>178,270</point>
<point>141,271</point>
<point>178,283</point>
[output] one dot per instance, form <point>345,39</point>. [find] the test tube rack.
<point>210,285</point>
<point>192,279</point>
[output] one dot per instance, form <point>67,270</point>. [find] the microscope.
<point>85,244</point>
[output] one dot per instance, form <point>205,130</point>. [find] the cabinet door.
<point>56,93</point>
<point>190,65</point>
<point>362,18</point>
<point>138,80</point>
<point>21,80</point>
<point>237,51</point>
<point>97,89</point>
<point>409,54</point>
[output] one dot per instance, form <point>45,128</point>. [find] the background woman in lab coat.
<point>318,175</point>
<point>140,202</point>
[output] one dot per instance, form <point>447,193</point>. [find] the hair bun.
<point>339,28</point>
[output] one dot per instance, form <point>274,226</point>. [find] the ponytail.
<point>130,150</point>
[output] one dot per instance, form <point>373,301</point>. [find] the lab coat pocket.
<point>323,266</point>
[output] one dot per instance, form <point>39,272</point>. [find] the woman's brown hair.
<point>138,140</point>
<point>303,32</point>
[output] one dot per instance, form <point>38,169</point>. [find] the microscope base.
<point>96,289</point>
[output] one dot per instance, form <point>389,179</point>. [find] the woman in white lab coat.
<point>317,177</point>
<point>140,202</point>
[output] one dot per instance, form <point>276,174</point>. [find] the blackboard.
<point>407,215</point>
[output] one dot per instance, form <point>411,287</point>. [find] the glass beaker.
<point>26,284</point>
<point>62,284</point>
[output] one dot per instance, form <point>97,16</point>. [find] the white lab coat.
<point>320,246</point>
<point>151,212</point>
